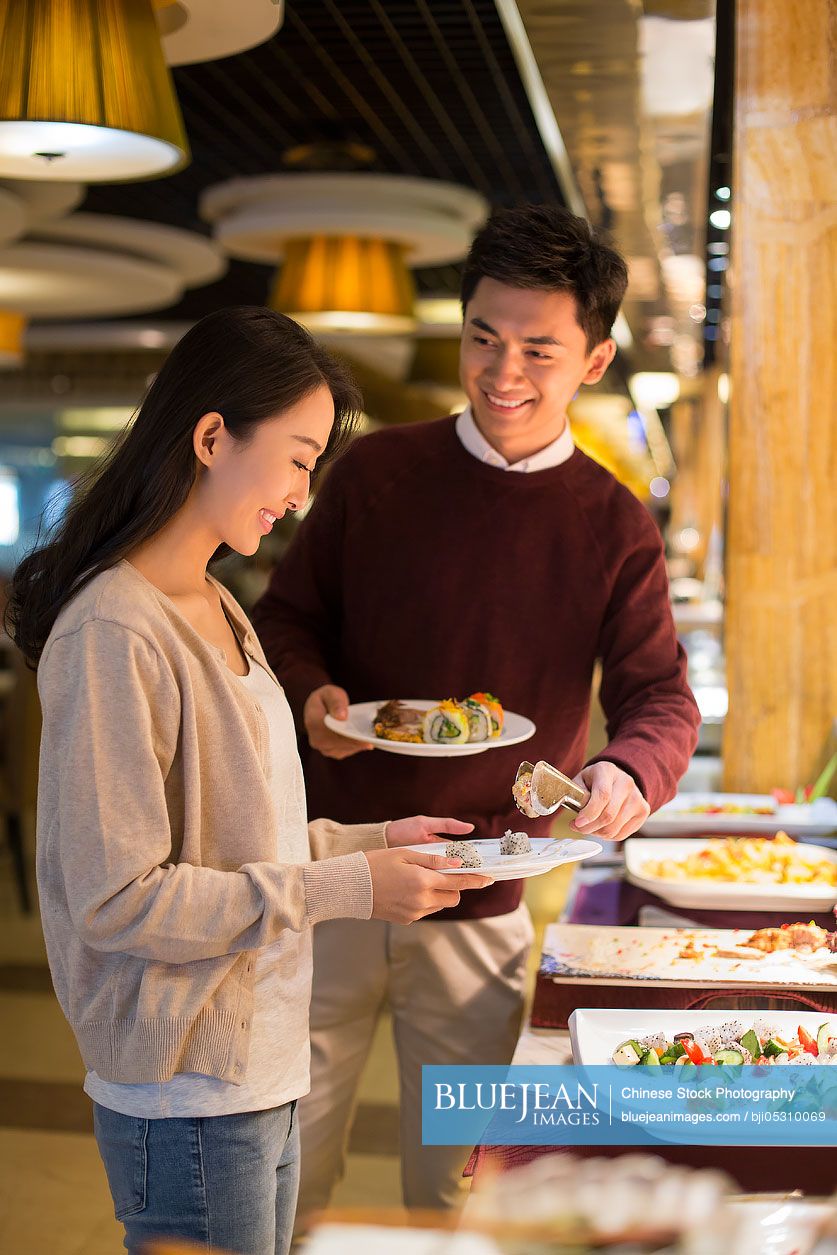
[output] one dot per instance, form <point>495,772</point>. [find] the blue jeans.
<point>229,1182</point>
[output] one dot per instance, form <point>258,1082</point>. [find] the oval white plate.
<point>723,895</point>
<point>517,866</point>
<point>360,723</point>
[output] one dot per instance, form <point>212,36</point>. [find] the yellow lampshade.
<point>85,92</point>
<point>12,327</point>
<point>346,283</point>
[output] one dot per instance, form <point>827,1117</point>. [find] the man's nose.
<point>507,370</point>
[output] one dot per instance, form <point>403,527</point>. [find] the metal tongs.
<point>540,789</point>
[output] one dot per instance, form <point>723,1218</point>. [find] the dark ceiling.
<point>431,88</point>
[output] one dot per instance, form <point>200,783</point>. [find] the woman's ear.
<point>601,357</point>
<point>205,436</point>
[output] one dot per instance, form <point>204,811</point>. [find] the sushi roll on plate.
<point>495,710</point>
<point>480,726</point>
<point>446,724</point>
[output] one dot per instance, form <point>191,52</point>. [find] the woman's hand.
<point>406,885</point>
<point>420,830</point>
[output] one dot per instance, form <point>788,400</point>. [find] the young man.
<point>475,552</point>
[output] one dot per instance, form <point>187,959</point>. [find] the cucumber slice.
<point>751,1042</point>
<point>627,1054</point>
<point>772,1048</point>
<point>673,1053</point>
<point>824,1038</point>
<point>650,1059</point>
<point>729,1056</point>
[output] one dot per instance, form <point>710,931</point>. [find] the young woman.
<point>174,855</point>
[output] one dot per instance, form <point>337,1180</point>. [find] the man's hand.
<point>420,829</point>
<point>615,808</point>
<point>329,700</point>
<point>407,885</point>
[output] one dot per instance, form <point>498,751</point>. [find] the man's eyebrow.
<point>484,326</point>
<point>312,444</point>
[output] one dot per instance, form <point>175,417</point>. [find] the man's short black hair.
<point>547,247</point>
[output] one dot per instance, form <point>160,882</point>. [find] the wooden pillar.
<point>781,643</point>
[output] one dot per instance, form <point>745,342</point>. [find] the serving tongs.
<point>548,790</point>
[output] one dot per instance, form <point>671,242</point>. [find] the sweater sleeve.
<point>298,618</point>
<point>652,717</point>
<point>327,838</point>
<point>111,724</point>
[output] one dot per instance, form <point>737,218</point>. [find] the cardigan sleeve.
<point>652,716</point>
<point>111,722</point>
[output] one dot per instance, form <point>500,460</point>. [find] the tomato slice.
<point>809,1043</point>
<point>694,1052</point>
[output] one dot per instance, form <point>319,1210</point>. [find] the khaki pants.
<point>455,992</point>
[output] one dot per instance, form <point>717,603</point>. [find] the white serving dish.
<point>546,854</point>
<point>583,954</point>
<point>722,895</point>
<point>816,819</point>
<point>596,1032</point>
<point>359,726</point>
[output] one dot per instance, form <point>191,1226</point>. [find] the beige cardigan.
<point>156,837</point>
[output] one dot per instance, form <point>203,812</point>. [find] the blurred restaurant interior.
<point>332,159</point>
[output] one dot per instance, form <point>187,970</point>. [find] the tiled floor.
<point>53,1194</point>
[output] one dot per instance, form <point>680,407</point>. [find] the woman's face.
<point>247,485</point>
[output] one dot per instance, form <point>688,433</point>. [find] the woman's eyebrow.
<point>312,444</point>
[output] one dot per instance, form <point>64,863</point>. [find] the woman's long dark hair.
<point>249,364</point>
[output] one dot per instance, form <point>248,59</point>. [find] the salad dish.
<point>736,1041</point>
<point>631,1036</point>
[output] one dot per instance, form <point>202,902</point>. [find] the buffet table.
<point>601,895</point>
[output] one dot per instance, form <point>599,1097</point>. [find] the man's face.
<point>522,359</point>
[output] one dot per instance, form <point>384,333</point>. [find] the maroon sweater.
<point>423,572</point>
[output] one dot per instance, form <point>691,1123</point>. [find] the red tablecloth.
<point>616,901</point>
<point>756,1169</point>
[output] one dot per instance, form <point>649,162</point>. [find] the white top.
<point>558,451</point>
<point>278,1064</point>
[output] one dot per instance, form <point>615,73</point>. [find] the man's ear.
<point>205,436</point>
<point>601,357</point>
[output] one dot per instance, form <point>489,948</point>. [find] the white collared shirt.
<point>558,451</point>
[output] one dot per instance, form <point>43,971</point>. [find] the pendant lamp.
<point>85,92</point>
<point>12,327</point>
<point>346,283</point>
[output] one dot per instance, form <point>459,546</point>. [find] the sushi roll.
<point>469,853</point>
<point>480,726</point>
<point>446,724</point>
<point>515,843</point>
<point>494,709</point>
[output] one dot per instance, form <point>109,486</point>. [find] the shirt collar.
<point>558,451</point>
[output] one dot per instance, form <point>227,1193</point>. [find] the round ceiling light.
<point>206,30</point>
<point>85,93</point>
<point>348,241</point>
<point>94,266</point>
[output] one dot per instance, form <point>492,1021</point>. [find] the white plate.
<point>575,954</point>
<point>817,819</point>
<point>517,866</point>
<point>595,1033</point>
<point>360,727</point>
<point>719,894</point>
